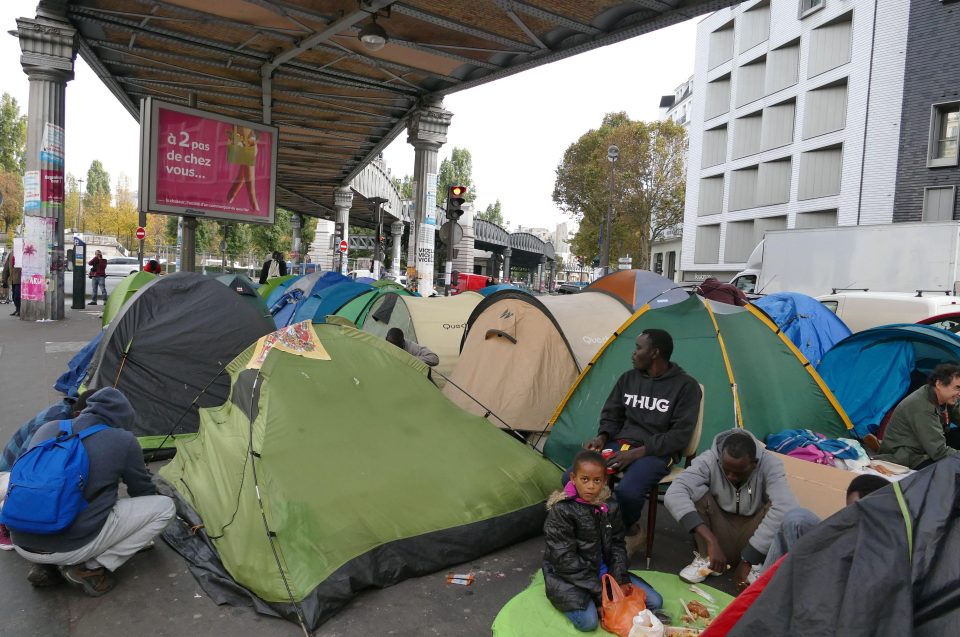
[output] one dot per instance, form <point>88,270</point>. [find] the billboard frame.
<point>149,114</point>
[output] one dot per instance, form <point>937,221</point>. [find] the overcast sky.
<point>516,128</point>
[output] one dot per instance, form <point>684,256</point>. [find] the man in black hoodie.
<point>647,421</point>
<point>110,530</point>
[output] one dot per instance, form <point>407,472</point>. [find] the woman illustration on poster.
<point>242,151</point>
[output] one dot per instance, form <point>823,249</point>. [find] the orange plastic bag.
<point>618,610</point>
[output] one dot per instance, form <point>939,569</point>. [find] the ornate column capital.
<point>343,197</point>
<point>48,48</point>
<point>427,126</point>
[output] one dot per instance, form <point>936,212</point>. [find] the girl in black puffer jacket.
<point>584,535</point>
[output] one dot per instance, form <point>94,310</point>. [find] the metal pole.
<point>448,266</point>
<point>613,153</point>
<point>79,204</point>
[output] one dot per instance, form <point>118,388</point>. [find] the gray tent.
<point>167,347</point>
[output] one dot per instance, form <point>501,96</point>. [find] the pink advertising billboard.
<point>196,163</point>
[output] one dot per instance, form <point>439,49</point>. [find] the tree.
<point>266,239</point>
<point>71,202</point>
<point>456,171</point>
<point>13,136</point>
<point>96,201</point>
<point>11,188</point>
<point>405,187</point>
<point>648,195</point>
<point>492,214</point>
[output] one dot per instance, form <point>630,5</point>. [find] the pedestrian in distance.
<point>732,499</point>
<point>273,267</point>
<point>98,274</point>
<point>107,530</point>
<point>584,540</point>
<point>421,352</point>
<point>153,267</point>
<point>11,274</point>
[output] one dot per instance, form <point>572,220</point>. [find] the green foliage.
<point>265,239</point>
<point>98,179</point>
<point>456,171</point>
<point>648,189</point>
<point>11,188</point>
<point>405,187</point>
<point>492,214</point>
<point>13,136</point>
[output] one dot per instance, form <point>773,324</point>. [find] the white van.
<point>863,310</point>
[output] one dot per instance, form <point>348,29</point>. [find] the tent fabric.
<point>122,293</point>
<point>807,322</point>
<point>435,322</point>
<point>327,301</point>
<point>285,307</point>
<point>521,353</point>
<point>499,287</point>
<point>267,288</point>
<point>356,310</point>
<point>871,371</point>
<point>69,382</point>
<point>169,345</point>
<point>855,575</point>
<point>288,435</point>
<point>530,614</point>
<point>247,289</point>
<point>753,376</point>
<point>640,287</point>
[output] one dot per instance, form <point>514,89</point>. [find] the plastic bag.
<point>618,610</point>
<point>646,624</point>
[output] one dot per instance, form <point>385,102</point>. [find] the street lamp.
<point>613,154</point>
<point>79,204</point>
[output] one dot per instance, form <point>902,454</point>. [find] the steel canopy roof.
<point>338,105</point>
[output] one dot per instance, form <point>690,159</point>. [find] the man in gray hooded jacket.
<point>110,530</point>
<point>732,499</point>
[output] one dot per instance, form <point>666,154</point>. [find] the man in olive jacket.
<point>916,435</point>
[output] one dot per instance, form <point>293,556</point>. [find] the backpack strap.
<point>89,431</point>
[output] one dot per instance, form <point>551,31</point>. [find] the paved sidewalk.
<point>156,595</point>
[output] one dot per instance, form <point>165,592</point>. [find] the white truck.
<point>898,257</point>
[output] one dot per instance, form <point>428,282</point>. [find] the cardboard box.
<point>820,488</point>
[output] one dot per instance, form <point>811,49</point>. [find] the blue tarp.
<point>284,308</point>
<point>490,289</point>
<point>318,306</point>
<point>807,322</point>
<point>871,371</point>
<point>70,381</point>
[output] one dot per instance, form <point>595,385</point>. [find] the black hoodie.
<point>659,413</point>
<point>114,455</point>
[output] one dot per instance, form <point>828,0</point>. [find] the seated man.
<point>732,499</point>
<point>109,530</point>
<point>647,422</point>
<point>424,354</point>
<point>916,435</point>
<point>798,521</point>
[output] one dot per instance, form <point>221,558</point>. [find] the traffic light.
<point>455,201</point>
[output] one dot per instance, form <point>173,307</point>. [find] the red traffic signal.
<point>455,201</point>
<point>458,191</point>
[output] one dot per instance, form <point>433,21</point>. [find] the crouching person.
<point>732,499</point>
<point>584,536</point>
<point>83,531</point>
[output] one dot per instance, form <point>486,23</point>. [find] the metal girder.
<point>523,27</point>
<point>488,232</point>
<point>655,5</point>
<point>559,20</point>
<point>107,78</point>
<point>446,23</point>
<point>307,199</point>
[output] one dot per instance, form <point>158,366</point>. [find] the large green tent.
<point>753,376</point>
<point>268,287</point>
<point>356,310</point>
<point>312,483</point>
<point>122,293</point>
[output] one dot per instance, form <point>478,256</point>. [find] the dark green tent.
<point>312,483</point>
<point>356,310</point>
<point>122,293</point>
<point>753,376</point>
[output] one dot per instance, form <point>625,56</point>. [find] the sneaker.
<point>44,575</point>
<point>754,574</point>
<point>93,582</point>
<point>697,570</point>
<point>6,544</point>
<point>635,541</point>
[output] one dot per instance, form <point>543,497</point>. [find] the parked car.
<point>122,266</point>
<point>572,287</point>
<point>863,310</point>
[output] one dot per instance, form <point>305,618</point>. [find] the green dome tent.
<point>122,293</point>
<point>354,491</point>
<point>356,310</point>
<point>268,287</point>
<point>753,376</point>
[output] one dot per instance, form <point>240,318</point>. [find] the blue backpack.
<point>46,487</point>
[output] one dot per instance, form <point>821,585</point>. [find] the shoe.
<point>44,575</point>
<point>6,544</point>
<point>93,582</point>
<point>15,313</point>
<point>149,546</point>
<point>697,570</point>
<point>754,574</point>
<point>636,541</point>
<point>93,303</point>
<point>872,443</point>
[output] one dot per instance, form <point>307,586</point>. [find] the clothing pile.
<point>804,444</point>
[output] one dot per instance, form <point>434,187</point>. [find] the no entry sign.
<point>343,246</point>
<point>141,233</point>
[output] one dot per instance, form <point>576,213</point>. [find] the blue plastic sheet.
<point>812,327</point>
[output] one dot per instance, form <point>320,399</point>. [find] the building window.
<point>938,203</point>
<point>944,132</point>
<point>809,6</point>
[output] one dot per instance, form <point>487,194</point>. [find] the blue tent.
<point>327,301</point>
<point>812,327</point>
<point>299,290</point>
<point>871,371</point>
<point>490,289</point>
<point>70,380</point>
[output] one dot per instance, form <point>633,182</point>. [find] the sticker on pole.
<point>141,233</point>
<point>343,246</point>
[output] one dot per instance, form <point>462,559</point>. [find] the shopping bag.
<point>618,610</point>
<point>646,624</point>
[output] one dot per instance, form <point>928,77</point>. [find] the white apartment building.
<point>678,106</point>
<point>796,123</point>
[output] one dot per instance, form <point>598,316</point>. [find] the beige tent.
<point>522,353</point>
<point>435,322</point>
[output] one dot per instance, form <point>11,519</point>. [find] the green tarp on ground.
<point>356,491</point>
<point>122,293</point>
<point>530,614</point>
<point>753,376</point>
<point>356,310</point>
